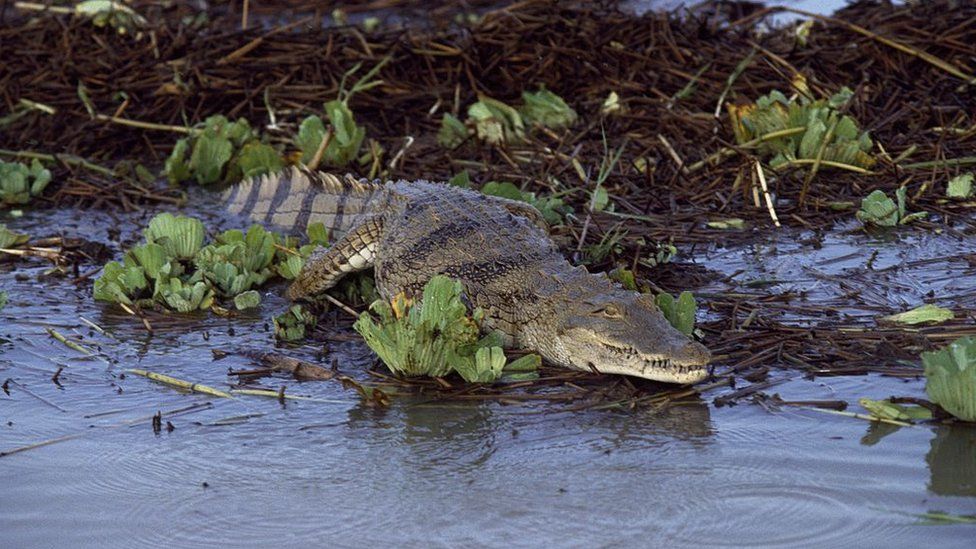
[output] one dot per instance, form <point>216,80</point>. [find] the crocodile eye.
<point>612,311</point>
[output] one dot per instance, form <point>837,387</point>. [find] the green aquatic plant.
<point>221,151</point>
<point>174,270</point>
<point>804,130</point>
<point>293,324</point>
<point>961,186</point>
<point>497,123</point>
<point>494,122</point>
<point>950,377</point>
<point>184,297</point>
<point>879,210</point>
<point>547,109</point>
<point>9,239</point>
<point>884,409</point>
<point>237,262</point>
<point>433,337</point>
<point>921,315</point>
<point>681,312</point>
<point>120,283</point>
<point>180,236</point>
<point>247,300</point>
<point>3,299</point>
<point>553,209</point>
<point>452,132</point>
<point>19,183</point>
<point>344,142</point>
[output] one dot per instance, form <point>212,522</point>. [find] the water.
<point>253,472</point>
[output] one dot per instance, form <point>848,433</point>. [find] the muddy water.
<point>252,472</point>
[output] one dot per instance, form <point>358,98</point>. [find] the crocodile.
<point>500,250</point>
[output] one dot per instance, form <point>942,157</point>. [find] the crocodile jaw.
<point>657,369</point>
<point>635,340</point>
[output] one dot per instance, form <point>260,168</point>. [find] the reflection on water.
<point>952,461</point>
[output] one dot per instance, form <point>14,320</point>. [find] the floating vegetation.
<point>18,183</point>
<point>950,377</point>
<point>293,324</point>
<point>660,254</point>
<point>221,152</point>
<point>547,109</point>
<point>452,132</point>
<point>961,186</point>
<point>927,313</point>
<point>174,270</point>
<point>102,13</point>
<point>553,209</point>
<point>798,131</point>
<point>9,239</point>
<point>879,210</point>
<point>681,312</point>
<point>3,299</point>
<point>884,409</point>
<point>341,142</point>
<point>734,223</point>
<point>496,123</point>
<point>433,337</point>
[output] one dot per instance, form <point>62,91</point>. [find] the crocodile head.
<point>623,332</point>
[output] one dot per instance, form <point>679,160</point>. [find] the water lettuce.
<point>18,183</point>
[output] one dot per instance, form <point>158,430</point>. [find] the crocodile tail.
<point>291,199</point>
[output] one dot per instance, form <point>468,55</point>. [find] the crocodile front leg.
<point>324,268</point>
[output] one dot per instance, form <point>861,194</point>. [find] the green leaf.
<point>9,239</point>
<point>680,313</point>
<point>495,122</point>
<point>210,155</point>
<point>290,267</point>
<point>259,159</point>
<point>177,169</point>
<point>247,300</point>
<point>153,259</point>
<point>503,189</point>
<point>452,132</point>
<point>961,186</point>
<point>184,298</point>
<point>432,337</point>
<point>462,180</point>
<point>41,178</point>
<point>293,324</point>
<point>731,223</point>
<point>950,377</point>
<point>18,183</point>
<point>487,365</point>
<point>347,136</point>
<point>884,409</point>
<point>625,277</point>
<point>317,233</point>
<point>600,198</point>
<point>3,299</point>
<point>812,139</point>
<point>920,315</point>
<point>547,109</point>
<point>180,236</point>
<point>878,209</point>
<point>527,363</point>
<point>119,283</point>
<point>310,135</point>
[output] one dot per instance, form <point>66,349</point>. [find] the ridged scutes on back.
<point>293,197</point>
